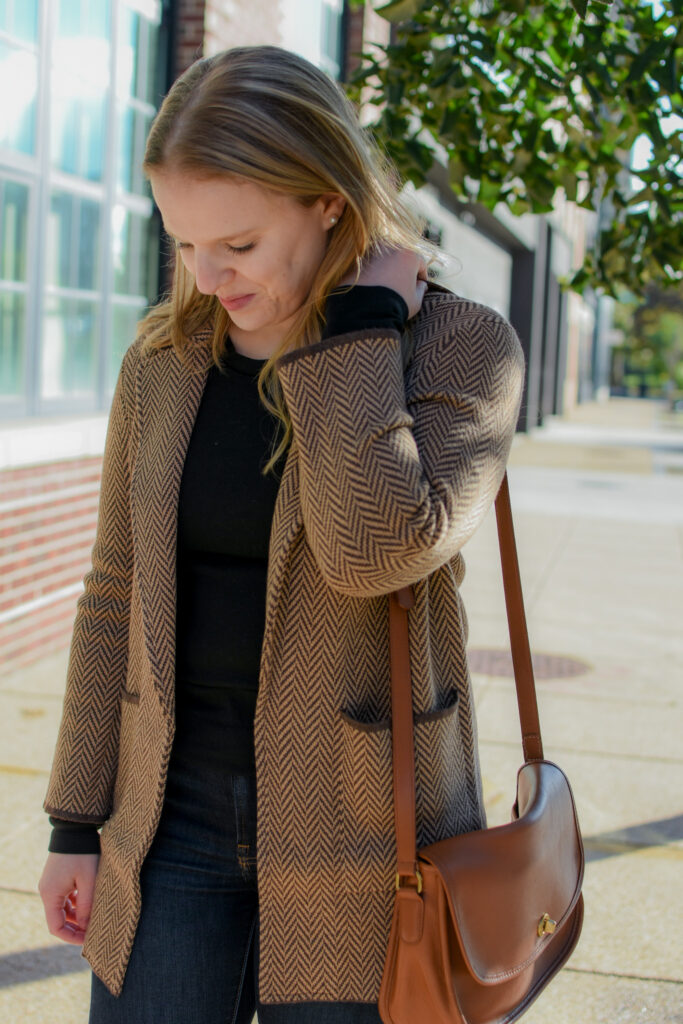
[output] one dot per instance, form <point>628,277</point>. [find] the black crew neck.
<point>234,360</point>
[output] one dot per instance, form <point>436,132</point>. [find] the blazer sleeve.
<point>390,491</point>
<point>85,761</point>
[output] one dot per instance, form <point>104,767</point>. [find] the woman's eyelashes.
<point>235,249</point>
<point>240,248</point>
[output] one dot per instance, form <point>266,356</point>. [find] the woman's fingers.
<point>61,920</point>
<point>400,269</point>
<point>66,889</point>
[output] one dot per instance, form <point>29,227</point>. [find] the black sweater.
<point>225,510</point>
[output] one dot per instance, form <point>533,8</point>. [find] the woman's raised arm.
<point>390,491</point>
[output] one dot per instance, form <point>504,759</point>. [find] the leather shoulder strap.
<point>519,636</point>
<point>403,745</point>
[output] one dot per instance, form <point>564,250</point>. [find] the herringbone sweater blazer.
<point>384,482</point>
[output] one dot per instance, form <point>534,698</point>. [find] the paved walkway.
<point>598,503</point>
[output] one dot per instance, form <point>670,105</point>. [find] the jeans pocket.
<point>244,801</point>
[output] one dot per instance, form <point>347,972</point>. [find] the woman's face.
<point>257,251</point>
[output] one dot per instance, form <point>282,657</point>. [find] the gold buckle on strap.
<point>417,875</point>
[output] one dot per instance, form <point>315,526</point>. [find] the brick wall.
<point>355,20</point>
<point>241,23</point>
<point>47,525</point>
<point>190,18</point>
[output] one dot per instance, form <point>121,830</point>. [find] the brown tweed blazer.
<point>385,481</point>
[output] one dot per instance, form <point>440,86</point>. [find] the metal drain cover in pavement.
<point>492,662</point>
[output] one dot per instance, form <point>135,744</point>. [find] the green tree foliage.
<point>521,99</point>
<point>652,349</point>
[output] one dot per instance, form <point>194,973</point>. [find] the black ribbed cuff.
<point>363,307</point>
<point>73,837</point>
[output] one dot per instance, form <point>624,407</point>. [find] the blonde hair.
<point>266,116</point>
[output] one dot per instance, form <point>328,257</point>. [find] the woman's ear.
<point>333,206</point>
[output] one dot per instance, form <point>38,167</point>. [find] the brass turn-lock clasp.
<point>546,926</point>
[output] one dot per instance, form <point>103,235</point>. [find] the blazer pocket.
<point>367,790</point>
<point>442,782</point>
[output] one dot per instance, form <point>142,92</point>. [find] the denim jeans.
<point>194,956</point>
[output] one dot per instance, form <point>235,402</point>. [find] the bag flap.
<point>500,882</point>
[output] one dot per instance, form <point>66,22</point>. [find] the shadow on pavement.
<point>637,837</point>
<point>44,962</point>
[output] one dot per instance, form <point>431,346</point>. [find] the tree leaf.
<point>399,10</point>
<point>650,55</point>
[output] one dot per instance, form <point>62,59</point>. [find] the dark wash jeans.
<point>194,956</point>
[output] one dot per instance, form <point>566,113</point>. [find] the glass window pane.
<point>13,230</point>
<point>142,125</point>
<point>123,330</point>
<point>134,254</point>
<point>80,87</point>
<point>122,257</point>
<point>12,335</point>
<point>98,19</point>
<point>78,126</point>
<point>69,18</point>
<point>148,69</point>
<point>88,245</point>
<point>94,138</point>
<point>26,20</point>
<point>69,352</point>
<point>86,25</point>
<point>136,62</point>
<point>126,58</point>
<point>125,144</point>
<point>60,239</point>
<point>65,127</point>
<point>73,242</point>
<point>133,130</point>
<point>18,80</point>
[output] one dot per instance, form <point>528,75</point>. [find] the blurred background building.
<point>82,256</point>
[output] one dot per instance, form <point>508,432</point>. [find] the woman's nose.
<point>209,274</point>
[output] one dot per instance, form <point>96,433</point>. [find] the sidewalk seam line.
<point>552,751</point>
<point>551,563</point>
<point>628,977</point>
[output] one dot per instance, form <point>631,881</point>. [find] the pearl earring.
<point>333,221</point>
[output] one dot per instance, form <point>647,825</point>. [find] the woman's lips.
<point>237,302</point>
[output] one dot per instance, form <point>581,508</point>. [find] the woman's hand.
<point>401,269</point>
<point>66,888</point>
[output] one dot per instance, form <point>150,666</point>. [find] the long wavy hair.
<point>263,115</point>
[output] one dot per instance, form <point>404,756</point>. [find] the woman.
<point>229,551</point>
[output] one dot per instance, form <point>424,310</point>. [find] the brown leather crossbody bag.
<point>482,921</point>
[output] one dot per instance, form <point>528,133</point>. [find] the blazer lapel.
<point>167,399</point>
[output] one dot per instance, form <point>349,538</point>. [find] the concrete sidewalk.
<point>598,505</point>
